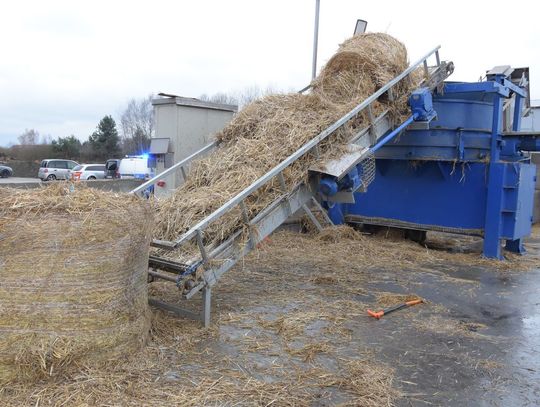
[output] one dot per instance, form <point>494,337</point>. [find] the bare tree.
<point>241,98</point>
<point>29,137</point>
<point>220,97</point>
<point>137,125</point>
<point>46,139</point>
<point>249,94</point>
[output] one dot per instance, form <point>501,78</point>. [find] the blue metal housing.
<point>460,174</point>
<point>421,103</point>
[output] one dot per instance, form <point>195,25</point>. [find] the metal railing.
<point>181,165</point>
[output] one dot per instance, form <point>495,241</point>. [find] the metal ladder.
<point>292,199</point>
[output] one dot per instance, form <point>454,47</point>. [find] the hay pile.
<point>267,131</point>
<point>363,64</point>
<point>73,286</point>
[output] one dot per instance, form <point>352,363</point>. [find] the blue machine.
<point>454,168</point>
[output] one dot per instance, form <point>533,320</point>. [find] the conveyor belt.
<point>213,262</point>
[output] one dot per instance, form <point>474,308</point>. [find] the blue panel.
<point>492,228</point>
<point>428,193</point>
<point>451,176</point>
<point>518,199</point>
<point>458,113</point>
<point>439,144</point>
<point>485,87</point>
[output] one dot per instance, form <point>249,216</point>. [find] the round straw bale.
<point>362,64</point>
<point>73,286</point>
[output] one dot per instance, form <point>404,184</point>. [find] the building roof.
<point>166,99</point>
<point>159,145</point>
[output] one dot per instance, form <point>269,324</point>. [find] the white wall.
<point>532,121</point>
<point>190,128</point>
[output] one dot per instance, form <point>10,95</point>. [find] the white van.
<point>135,166</point>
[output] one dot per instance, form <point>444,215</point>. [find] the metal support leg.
<point>371,120</point>
<point>184,175</point>
<point>283,186</point>
<point>245,217</point>
<point>492,230</point>
<point>206,306</point>
<point>202,249</point>
<point>322,211</point>
<point>312,217</point>
<point>515,246</point>
<point>494,201</point>
<point>181,312</point>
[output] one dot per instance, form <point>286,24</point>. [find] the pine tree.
<point>68,147</point>
<point>104,141</point>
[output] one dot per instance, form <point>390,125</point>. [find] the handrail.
<point>293,157</point>
<point>179,164</point>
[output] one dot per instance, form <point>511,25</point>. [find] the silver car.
<point>50,170</point>
<point>88,172</point>
<point>5,171</point>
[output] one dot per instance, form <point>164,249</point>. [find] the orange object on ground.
<point>380,314</point>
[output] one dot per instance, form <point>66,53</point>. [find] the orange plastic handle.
<point>414,302</point>
<point>377,315</point>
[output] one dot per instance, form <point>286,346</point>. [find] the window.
<point>95,168</point>
<point>71,164</point>
<point>77,168</point>
<point>112,165</point>
<point>43,164</point>
<point>57,164</point>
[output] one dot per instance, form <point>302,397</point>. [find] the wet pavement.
<point>476,342</point>
<point>476,347</point>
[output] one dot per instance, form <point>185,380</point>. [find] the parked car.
<point>112,168</point>
<point>135,167</point>
<point>88,172</point>
<point>5,171</point>
<point>50,170</point>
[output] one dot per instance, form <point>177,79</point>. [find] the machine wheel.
<point>367,228</point>
<point>4,174</point>
<point>418,236</point>
<point>51,177</point>
<point>91,178</point>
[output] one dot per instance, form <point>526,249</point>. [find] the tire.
<point>51,177</point>
<point>418,236</point>
<point>91,178</point>
<point>4,174</point>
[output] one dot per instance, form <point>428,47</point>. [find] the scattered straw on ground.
<point>255,354</point>
<point>442,325</point>
<point>268,346</point>
<point>184,366</point>
<point>397,253</point>
<point>385,299</point>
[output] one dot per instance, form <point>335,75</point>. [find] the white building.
<point>183,126</point>
<point>531,122</point>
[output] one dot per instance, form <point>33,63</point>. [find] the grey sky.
<point>66,64</point>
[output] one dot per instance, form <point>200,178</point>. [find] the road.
<point>18,180</point>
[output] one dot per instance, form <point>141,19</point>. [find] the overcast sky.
<point>66,64</point>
